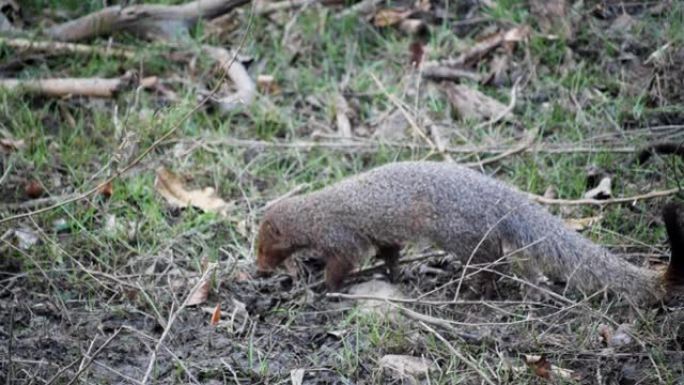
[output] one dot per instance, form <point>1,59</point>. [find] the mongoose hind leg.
<point>390,254</point>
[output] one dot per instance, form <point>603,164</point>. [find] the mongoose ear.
<point>675,234</point>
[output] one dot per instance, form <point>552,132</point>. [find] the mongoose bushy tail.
<point>457,209</point>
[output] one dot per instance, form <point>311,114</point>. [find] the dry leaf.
<point>26,237</point>
<point>390,16</point>
<point>171,188</point>
<point>297,376</point>
<point>216,315</point>
<point>267,85</point>
<point>107,190</point>
<point>617,338</point>
<point>201,294</point>
<point>473,104</point>
<point>543,368</point>
<point>33,189</point>
<point>539,364</point>
<point>9,145</point>
<point>516,34</point>
<point>404,365</point>
<point>417,53</point>
<point>602,191</point>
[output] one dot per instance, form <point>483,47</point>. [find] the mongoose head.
<point>273,245</point>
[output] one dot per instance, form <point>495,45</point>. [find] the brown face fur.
<point>272,247</point>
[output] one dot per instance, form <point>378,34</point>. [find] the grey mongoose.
<point>459,210</point>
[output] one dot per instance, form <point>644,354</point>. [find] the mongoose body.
<point>457,209</point>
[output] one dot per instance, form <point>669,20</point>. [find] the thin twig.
<point>419,301</point>
<point>92,358</point>
<point>10,347</point>
<point>172,318</point>
<point>466,360</point>
<point>358,144</point>
<point>54,47</point>
<point>515,150</point>
<point>603,202</point>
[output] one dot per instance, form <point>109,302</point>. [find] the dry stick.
<point>96,87</point>
<point>419,301</point>
<point>448,73</point>
<point>10,350</point>
<point>238,74</point>
<point>150,20</point>
<point>140,157</point>
<point>172,318</point>
<point>342,122</point>
<point>599,202</point>
<point>36,202</point>
<point>416,316</point>
<point>54,47</point>
<point>171,353</point>
<point>358,144</point>
<point>296,190</point>
<point>62,370</point>
<point>458,354</point>
<point>92,358</point>
<point>515,150</point>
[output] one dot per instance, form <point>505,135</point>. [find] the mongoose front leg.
<point>337,268</point>
<point>390,254</point>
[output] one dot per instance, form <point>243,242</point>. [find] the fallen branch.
<point>96,87</point>
<point>60,48</point>
<point>33,203</point>
<point>603,202</point>
<point>92,87</point>
<point>150,21</point>
<point>246,88</point>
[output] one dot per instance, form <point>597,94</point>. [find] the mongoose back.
<point>457,209</point>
